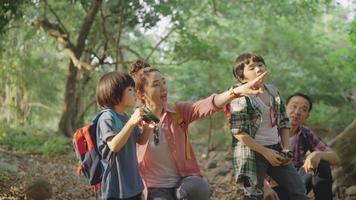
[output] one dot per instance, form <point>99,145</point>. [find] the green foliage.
<point>9,10</point>
<point>32,140</point>
<point>329,120</point>
<point>4,176</point>
<point>308,46</point>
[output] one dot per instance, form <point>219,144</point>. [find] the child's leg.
<point>288,177</point>
<point>255,192</point>
<point>193,187</point>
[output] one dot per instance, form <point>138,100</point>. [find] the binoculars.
<point>148,116</point>
<point>286,156</point>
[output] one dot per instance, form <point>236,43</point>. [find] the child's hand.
<point>136,117</point>
<point>272,156</point>
<point>146,125</point>
<point>251,88</point>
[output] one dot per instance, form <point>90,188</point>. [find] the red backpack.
<point>85,146</point>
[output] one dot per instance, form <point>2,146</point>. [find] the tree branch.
<point>58,32</point>
<point>159,43</point>
<point>131,50</point>
<point>57,18</point>
<point>86,26</point>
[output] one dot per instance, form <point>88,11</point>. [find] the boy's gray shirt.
<point>121,178</point>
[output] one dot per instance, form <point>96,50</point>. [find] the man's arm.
<point>321,152</point>
<point>313,159</point>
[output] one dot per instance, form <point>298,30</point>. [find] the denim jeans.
<point>285,175</point>
<point>320,182</point>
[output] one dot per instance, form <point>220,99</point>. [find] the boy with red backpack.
<point>117,135</point>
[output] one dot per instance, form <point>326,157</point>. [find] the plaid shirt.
<point>300,149</point>
<point>246,116</point>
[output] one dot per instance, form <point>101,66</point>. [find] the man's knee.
<point>193,187</point>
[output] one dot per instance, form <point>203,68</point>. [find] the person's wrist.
<point>131,123</point>
<point>234,93</point>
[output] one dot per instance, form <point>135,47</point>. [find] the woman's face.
<point>155,89</point>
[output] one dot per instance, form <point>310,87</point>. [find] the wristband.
<point>233,94</point>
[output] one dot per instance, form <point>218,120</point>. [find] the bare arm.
<point>313,159</point>
<point>330,156</point>
<point>271,155</point>
<point>146,132</point>
<point>116,142</point>
<point>250,88</point>
<point>285,138</point>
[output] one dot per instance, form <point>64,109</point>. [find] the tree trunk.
<point>344,145</point>
<point>69,111</point>
<point>68,122</point>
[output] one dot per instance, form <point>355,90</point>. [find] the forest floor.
<point>57,174</point>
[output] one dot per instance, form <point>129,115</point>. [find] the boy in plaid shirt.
<point>258,124</point>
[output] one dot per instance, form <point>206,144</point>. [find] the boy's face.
<point>129,97</point>
<point>297,110</point>
<point>253,70</point>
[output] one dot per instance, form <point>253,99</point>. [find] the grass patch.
<point>32,140</point>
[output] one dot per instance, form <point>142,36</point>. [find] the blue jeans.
<point>321,183</point>
<point>285,175</point>
<point>189,188</point>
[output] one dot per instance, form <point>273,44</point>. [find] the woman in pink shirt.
<point>167,162</point>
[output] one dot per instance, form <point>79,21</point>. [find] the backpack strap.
<point>177,117</point>
<point>117,121</point>
<point>272,89</point>
<point>118,124</point>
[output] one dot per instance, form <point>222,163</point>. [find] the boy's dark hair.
<point>243,60</point>
<point>111,87</point>
<point>299,94</point>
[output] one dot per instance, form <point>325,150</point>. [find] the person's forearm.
<point>285,138</point>
<point>220,100</point>
<point>144,136</point>
<point>120,139</point>
<point>329,156</point>
<point>250,142</point>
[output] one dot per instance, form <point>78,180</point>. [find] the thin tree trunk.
<point>68,113</point>
<point>68,119</point>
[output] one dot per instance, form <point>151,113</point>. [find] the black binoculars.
<point>286,155</point>
<point>148,116</point>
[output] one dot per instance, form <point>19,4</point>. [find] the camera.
<point>148,116</point>
<point>286,156</point>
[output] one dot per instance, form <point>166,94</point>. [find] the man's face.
<point>297,110</point>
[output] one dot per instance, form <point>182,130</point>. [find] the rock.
<point>351,191</point>
<point>9,164</point>
<point>220,171</point>
<point>39,189</point>
<point>212,164</point>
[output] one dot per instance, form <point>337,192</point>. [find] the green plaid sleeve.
<point>240,118</point>
<point>284,120</point>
